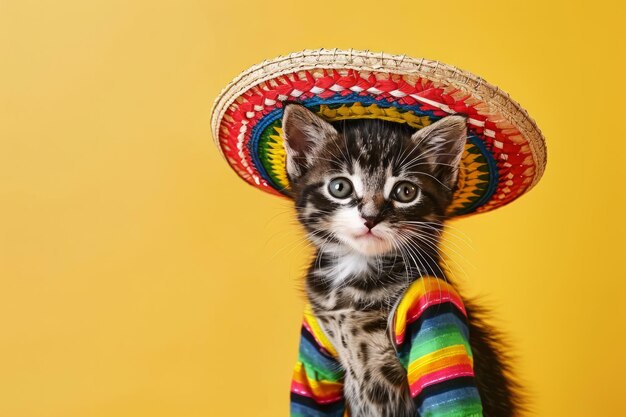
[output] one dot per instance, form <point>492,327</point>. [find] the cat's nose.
<point>371,221</point>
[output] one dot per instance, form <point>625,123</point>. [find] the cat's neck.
<point>340,278</point>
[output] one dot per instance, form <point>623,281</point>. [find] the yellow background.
<point>141,277</point>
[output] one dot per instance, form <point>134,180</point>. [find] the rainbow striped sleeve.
<point>432,341</point>
<point>317,383</point>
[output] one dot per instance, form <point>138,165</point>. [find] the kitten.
<point>372,196</point>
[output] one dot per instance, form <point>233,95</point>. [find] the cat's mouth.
<point>369,243</point>
<point>369,235</point>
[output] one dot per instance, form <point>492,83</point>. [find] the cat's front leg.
<point>380,388</point>
<point>375,383</point>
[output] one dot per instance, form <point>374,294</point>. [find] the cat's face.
<point>371,186</point>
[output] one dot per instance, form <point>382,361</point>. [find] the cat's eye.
<point>405,192</point>
<point>340,187</point>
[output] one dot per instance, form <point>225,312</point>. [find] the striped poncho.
<point>431,338</point>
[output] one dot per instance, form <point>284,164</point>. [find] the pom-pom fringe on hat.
<point>504,156</point>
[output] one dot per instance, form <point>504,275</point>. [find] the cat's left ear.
<point>441,145</point>
<point>304,133</point>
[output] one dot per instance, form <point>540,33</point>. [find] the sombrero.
<point>504,156</point>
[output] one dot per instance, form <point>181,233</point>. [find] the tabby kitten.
<point>372,196</point>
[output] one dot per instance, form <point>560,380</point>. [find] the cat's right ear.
<point>304,133</point>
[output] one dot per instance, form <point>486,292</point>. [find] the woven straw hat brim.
<point>505,156</point>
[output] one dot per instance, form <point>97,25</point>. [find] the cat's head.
<point>371,186</point>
